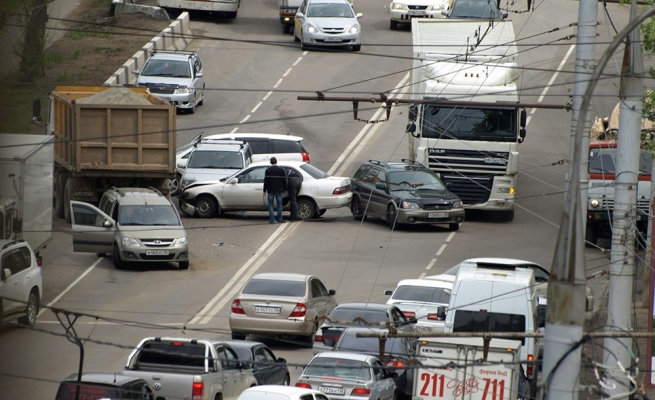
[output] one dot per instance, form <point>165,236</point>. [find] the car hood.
<point>425,194</point>
<point>327,23</point>
<point>164,80</point>
<point>159,232</point>
<point>441,3</point>
<point>207,174</point>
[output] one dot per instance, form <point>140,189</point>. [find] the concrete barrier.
<point>176,36</point>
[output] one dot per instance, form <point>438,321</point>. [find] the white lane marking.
<point>434,260</point>
<point>75,282</point>
<point>234,130</point>
<point>287,73</point>
<point>243,274</point>
<point>441,249</point>
<point>245,119</point>
<point>362,132</point>
<point>256,107</point>
<point>278,83</point>
<point>422,275</point>
<point>297,62</point>
<point>552,79</point>
<point>268,95</point>
<point>452,235</point>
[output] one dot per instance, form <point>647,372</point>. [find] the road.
<point>254,73</point>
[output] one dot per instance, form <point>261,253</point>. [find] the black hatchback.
<point>404,192</point>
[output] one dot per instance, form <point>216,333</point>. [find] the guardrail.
<point>176,37</point>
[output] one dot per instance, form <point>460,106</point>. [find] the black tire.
<point>184,265</point>
<point>60,186</point>
<point>231,15</point>
<point>118,263</point>
<point>287,380</point>
<point>453,227</point>
<point>321,212</point>
<point>357,209</point>
<point>303,46</point>
<point>591,236</point>
<point>306,209</point>
<point>206,207</point>
<point>309,340</point>
<point>392,216</point>
<point>357,47</point>
<point>393,25</point>
<point>31,310</point>
<point>238,336</point>
<point>67,209</point>
<point>295,38</point>
<point>101,255</point>
<point>286,28</point>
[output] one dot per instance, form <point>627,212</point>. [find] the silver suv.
<point>174,76</point>
<point>213,160</point>
<point>21,283</point>
<point>134,225</point>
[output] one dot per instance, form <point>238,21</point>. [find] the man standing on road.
<point>275,183</point>
<point>295,182</point>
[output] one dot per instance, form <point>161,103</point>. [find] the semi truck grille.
<point>471,189</point>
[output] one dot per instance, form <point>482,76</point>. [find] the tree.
<point>32,48</point>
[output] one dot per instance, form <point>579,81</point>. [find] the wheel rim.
<point>357,208</point>
<point>173,183</point>
<point>31,309</point>
<point>304,210</point>
<point>203,207</point>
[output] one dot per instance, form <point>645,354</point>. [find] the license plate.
<point>332,390</point>
<point>267,310</point>
<point>437,215</point>
<point>415,12</point>
<point>333,39</point>
<point>423,329</point>
<point>156,252</point>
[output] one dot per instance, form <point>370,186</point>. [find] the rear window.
<point>88,391</point>
<point>370,345</point>
<point>338,368</point>
<point>423,294</point>
<point>286,146</point>
<point>275,288</point>
<point>186,354</point>
<point>366,316</point>
<point>477,321</point>
<point>313,171</point>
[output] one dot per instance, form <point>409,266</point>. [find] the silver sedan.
<point>345,375</point>
<point>328,23</point>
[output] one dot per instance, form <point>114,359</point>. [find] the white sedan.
<point>243,191</point>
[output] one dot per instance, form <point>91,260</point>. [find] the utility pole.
<point>566,289</point>
<point>616,354</point>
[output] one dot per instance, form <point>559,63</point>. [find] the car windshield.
<point>353,317</point>
<point>135,215</point>
<point>483,9</point>
<point>603,161</point>
<point>414,180</point>
<point>274,288</point>
<point>371,345</point>
<point>424,294</point>
<point>329,10</point>
<point>216,159</point>
<point>176,69</point>
<point>314,172</point>
<point>338,368</point>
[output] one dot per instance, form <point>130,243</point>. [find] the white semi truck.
<point>471,137</point>
<point>228,8</point>
<point>26,188</point>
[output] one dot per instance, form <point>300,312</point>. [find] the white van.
<point>491,300</point>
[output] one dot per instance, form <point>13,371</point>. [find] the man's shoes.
<point>281,221</point>
<point>272,222</point>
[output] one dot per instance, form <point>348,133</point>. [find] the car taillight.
<point>409,314</point>
<point>303,385</point>
<point>197,391</point>
<point>360,392</point>
<point>530,369</point>
<point>236,307</point>
<point>299,311</point>
<point>396,364</point>
<point>341,190</point>
<point>318,338</point>
<point>305,157</point>
<point>39,261</point>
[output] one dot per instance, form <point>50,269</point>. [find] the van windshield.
<point>482,321</point>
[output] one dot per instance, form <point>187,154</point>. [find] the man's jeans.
<point>278,198</point>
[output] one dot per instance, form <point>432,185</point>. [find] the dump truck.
<point>109,136</point>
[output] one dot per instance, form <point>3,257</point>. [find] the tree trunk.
<point>32,64</point>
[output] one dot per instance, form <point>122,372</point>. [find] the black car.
<point>265,366</point>
<point>404,192</point>
<point>474,9</point>
<point>398,352</point>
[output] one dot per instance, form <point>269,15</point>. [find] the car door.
<point>15,288</point>
<point>229,374</point>
<point>92,230</point>
<point>262,366</point>
<point>198,78</point>
<point>383,383</point>
<point>322,301</point>
<point>247,191</point>
<point>240,376</point>
<point>379,195</point>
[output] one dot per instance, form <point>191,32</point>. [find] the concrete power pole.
<point>622,261</point>
<point>565,319</point>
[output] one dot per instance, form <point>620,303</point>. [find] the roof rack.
<point>117,190</point>
<point>154,51</point>
<point>407,160</point>
<point>377,162</point>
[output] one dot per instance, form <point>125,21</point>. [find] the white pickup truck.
<point>189,369</point>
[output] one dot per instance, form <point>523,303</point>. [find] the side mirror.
<point>18,224</point>
<point>281,360</point>
<point>359,15</point>
<point>299,14</point>
<point>441,313</point>
<point>6,273</point>
<point>522,134</point>
<point>413,112</point>
<point>199,75</point>
<point>541,316</point>
<point>444,12</point>
<point>411,128</point>
<point>332,292</point>
<point>388,292</point>
<point>381,185</point>
<point>233,181</point>
<point>135,71</point>
<point>524,118</point>
<point>392,375</point>
<point>182,164</point>
<point>107,224</point>
<point>505,16</point>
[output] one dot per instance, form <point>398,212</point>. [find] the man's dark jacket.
<point>275,179</point>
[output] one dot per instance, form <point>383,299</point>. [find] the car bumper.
<point>337,201</point>
<point>287,18</point>
<point>268,326</point>
<point>187,208</point>
<point>184,100</point>
<point>404,17</point>
<point>429,327</point>
<point>319,39</point>
<point>429,217</point>
<point>140,254</point>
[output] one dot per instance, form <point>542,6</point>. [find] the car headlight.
<point>180,242</point>
<point>410,205</point>
<point>437,7</point>
<point>183,90</point>
<point>458,204</point>
<point>396,6</point>
<point>130,242</point>
<point>594,203</point>
<point>312,29</point>
<point>507,190</point>
<point>353,29</point>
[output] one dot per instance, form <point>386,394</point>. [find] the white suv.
<point>214,160</point>
<point>21,283</point>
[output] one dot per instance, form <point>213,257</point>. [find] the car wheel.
<point>357,209</point>
<point>202,96</point>
<point>238,336</point>
<point>184,265</point>
<point>393,25</point>
<point>309,340</point>
<point>306,209</point>
<point>295,38</point>
<point>303,46</point>
<point>231,15</point>
<point>357,47</point>
<point>286,28</point>
<point>174,185</point>
<point>116,257</point>
<point>206,207</point>
<point>591,236</point>
<point>287,380</point>
<point>192,110</point>
<point>392,216</point>
<point>31,311</point>
<point>453,227</point>
<point>101,255</point>
<point>321,212</point>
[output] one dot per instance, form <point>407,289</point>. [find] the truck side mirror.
<point>522,134</point>
<point>413,112</point>
<point>441,313</point>
<point>411,128</point>
<point>524,118</point>
<point>18,224</point>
